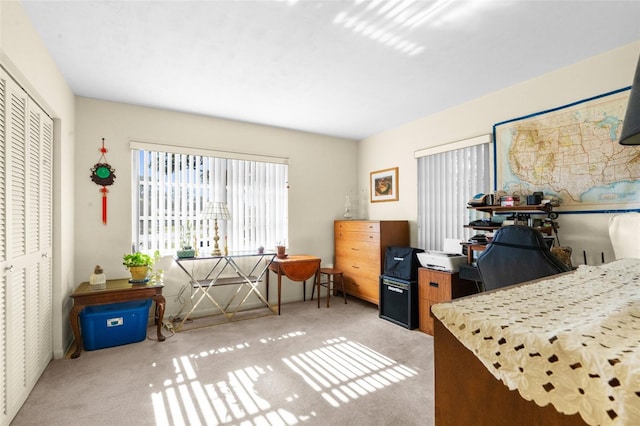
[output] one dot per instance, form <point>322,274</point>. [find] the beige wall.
<point>26,59</point>
<point>321,172</point>
<point>594,76</point>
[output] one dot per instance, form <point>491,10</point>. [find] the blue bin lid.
<point>114,307</point>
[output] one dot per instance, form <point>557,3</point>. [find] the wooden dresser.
<point>435,287</point>
<point>359,252</point>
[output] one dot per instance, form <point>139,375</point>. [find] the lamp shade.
<point>216,210</point>
<point>631,127</point>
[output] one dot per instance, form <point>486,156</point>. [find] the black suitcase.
<point>402,262</point>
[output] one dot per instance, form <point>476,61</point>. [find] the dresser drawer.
<point>435,285</point>
<point>364,287</point>
<point>369,237</point>
<point>367,277</point>
<point>439,286</point>
<point>356,226</point>
<point>354,265</point>
<point>363,250</point>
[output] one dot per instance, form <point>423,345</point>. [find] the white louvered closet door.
<point>25,245</point>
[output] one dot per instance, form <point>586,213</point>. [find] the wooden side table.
<point>435,287</point>
<point>120,290</point>
<point>299,267</point>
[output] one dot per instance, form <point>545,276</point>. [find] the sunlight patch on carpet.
<point>344,370</point>
<point>338,372</point>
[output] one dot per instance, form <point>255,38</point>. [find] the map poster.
<point>571,153</point>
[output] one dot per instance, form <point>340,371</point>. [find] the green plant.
<point>186,236</point>
<point>137,259</point>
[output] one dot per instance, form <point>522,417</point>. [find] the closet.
<point>26,185</point>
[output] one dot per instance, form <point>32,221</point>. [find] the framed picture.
<point>384,185</point>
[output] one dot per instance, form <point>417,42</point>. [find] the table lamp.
<point>215,211</point>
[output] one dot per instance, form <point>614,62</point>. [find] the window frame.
<point>261,216</point>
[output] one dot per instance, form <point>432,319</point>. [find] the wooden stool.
<point>331,274</point>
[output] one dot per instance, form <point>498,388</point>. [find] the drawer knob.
<point>432,284</point>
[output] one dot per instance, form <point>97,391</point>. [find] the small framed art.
<point>384,185</point>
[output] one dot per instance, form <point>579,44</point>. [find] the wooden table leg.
<point>279,288</point>
<point>75,328</point>
<point>331,279</point>
<point>160,302</point>
<point>316,285</point>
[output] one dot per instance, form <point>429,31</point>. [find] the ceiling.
<point>342,68</point>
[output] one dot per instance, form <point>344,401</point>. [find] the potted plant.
<point>138,264</point>
<point>187,249</point>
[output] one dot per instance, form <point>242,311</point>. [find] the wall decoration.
<point>384,185</point>
<point>103,174</point>
<point>572,153</point>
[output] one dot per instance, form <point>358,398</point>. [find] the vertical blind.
<point>447,179</point>
<point>171,189</point>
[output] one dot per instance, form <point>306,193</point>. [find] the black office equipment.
<point>399,301</point>
<point>402,262</point>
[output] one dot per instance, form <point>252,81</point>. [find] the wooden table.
<point>119,290</point>
<point>298,267</point>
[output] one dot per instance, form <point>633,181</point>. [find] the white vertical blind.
<point>171,189</point>
<point>257,199</point>
<point>446,182</point>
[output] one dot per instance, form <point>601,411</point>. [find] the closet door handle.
<point>9,268</point>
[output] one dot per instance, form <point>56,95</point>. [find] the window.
<point>448,177</point>
<point>171,188</point>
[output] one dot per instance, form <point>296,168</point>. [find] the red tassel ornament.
<point>103,174</point>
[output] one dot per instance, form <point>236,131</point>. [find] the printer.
<point>441,260</point>
<point>448,260</point>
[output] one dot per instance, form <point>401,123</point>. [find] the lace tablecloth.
<point>572,340</point>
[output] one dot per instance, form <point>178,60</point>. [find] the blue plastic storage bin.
<point>115,324</point>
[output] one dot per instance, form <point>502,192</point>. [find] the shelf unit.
<point>530,210</point>
<point>541,209</point>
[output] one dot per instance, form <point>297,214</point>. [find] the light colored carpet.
<point>341,365</point>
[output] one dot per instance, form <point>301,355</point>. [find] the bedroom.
<point>81,122</point>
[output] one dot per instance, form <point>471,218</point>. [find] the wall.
<point>322,169</point>
<point>26,59</point>
<point>594,76</point>
<point>321,172</point>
